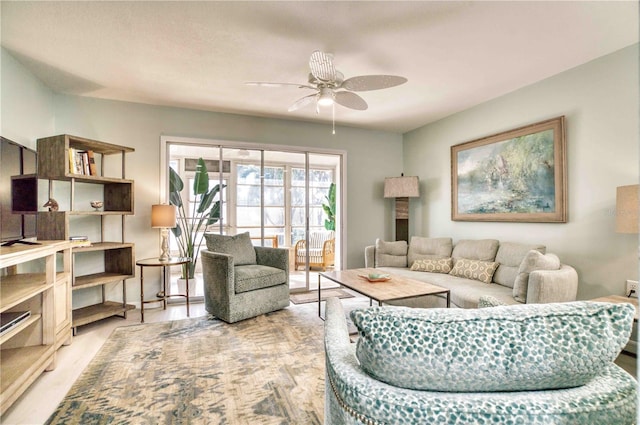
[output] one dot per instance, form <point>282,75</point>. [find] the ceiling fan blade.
<point>302,102</point>
<point>269,84</point>
<point>351,100</point>
<point>372,82</point>
<point>322,66</point>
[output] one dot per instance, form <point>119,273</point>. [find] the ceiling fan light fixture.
<point>326,97</point>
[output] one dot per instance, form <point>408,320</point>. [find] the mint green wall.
<point>600,102</point>
<point>26,107</point>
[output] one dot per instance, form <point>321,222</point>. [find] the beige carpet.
<point>266,370</point>
<point>312,296</point>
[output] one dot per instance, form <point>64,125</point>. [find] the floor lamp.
<point>627,211</point>
<point>402,188</point>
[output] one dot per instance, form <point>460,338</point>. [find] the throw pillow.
<point>534,260</point>
<point>505,348</point>
<point>442,265</point>
<point>238,246</point>
<point>391,254</point>
<point>474,269</point>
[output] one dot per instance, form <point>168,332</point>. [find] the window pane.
<point>297,216</point>
<point>248,216</point>
<point>248,195</point>
<point>248,174</point>
<point>297,196</point>
<point>274,216</point>
<point>316,216</point>
<point>274,176</point>
<point>318,195</point>
<point>320,177</point>
<point>274,196</point>
<point>297,177</point>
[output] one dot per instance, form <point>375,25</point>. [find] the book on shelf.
<point>82,162</point>
<point>80,241</point>
<point>92,163</point>
<point>10,319</point>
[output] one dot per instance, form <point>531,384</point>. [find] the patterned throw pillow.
<point>440,265</point>
<point>474,269</point>
<point>505,348</point>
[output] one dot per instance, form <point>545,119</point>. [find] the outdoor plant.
<point>188,224</point>
<point>330,208</point>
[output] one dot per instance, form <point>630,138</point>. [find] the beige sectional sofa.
<point>510,272</point>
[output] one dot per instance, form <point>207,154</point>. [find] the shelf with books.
<point>79,160</point>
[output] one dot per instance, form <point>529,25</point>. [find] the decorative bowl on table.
<point>97,205</point>
<point>376,277</point>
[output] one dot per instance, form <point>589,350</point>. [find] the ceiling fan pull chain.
<point>333,117</point>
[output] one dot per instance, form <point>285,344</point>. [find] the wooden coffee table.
<point>397,288</point>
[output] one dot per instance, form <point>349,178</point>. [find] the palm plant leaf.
<point>201,179</point>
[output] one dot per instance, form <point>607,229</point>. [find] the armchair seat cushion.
<point>252,277</point>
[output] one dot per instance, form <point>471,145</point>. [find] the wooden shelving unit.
<point>29,347</point>
<point>118,199</point>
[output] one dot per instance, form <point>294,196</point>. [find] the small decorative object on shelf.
<point>52,204</point>
<point>97,205</point>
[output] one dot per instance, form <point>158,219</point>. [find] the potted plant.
<point>330,208</point>
<point>206,213</point>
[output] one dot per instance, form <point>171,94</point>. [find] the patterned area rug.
<point>312,296</point>
<point>266,370</point>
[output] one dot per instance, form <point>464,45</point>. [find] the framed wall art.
<point>516,176</point>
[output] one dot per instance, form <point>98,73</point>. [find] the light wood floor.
<point>42,398</point>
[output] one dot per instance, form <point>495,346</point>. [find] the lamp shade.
<point>401,187</point>
<point>627,209</point>
<point>163,216</point>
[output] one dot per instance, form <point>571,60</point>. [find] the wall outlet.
<point>632,285</point>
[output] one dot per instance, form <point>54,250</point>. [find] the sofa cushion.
<point>391,254</point>
<point>439,265</point>
<point>421,247</point>
<point>534,260</point>
<point>504,348</point>
<point>254,276</point>
<point>238,246</point>
<point>465,293</point>
<point>474,269</point>
<point>480,249</point>
<point>510,256</point>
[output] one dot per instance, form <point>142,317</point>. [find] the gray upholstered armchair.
<point>243,281</point>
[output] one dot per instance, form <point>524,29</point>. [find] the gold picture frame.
<point>514,176</point>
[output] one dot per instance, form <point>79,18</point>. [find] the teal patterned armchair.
<point>526,364</point>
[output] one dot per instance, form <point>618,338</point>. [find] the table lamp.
<point>163,217</point>
<point>402,188</point>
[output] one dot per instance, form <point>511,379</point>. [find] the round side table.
<point>154,262</point>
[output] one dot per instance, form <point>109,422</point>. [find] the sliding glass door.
<point>288,199</point>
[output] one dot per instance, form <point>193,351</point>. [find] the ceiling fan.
<point>330,86</point>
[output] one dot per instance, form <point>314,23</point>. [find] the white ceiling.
<point>199,54</point>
